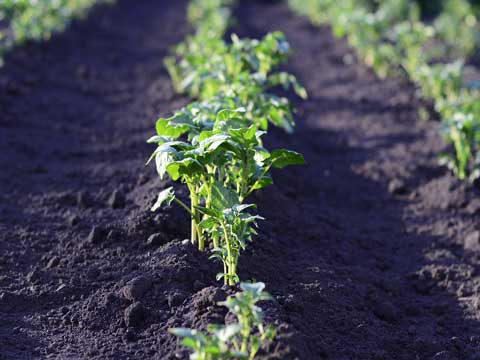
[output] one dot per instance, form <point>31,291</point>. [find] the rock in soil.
<point>472,241</point>
<point>84,200</point>
<point>136,288</point>
<point>116,200</point>
<point>73,220</point>
<point>157,239</point>
<point>96,235</point>
<point>397,187</point>
<point>134,315</point>
<point>54,261</point>
<point>385,311</point>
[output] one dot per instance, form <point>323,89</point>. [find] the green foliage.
<point>239,340</point>
<point>210,17</point>
<point>236,227</point>
<point>214,145</point>
<point>38,20</point>
<point>222,162</point>
<point>239,73</point>
<point>462,130</point>
<point>390,38</point>
<point>458,26</point>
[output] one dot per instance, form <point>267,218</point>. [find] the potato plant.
<point>239,340</point>
<point>221,165</point>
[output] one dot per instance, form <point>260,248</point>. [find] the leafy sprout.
<point>240,340</point>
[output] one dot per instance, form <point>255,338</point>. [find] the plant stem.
<point>225,273</point>
<point>243,188</point>
<point>216,243</point>
<point>231,266</point>
<point>201,239</point>
<point>251,187</point>
<point>193,229</point>
<point>194,214</point>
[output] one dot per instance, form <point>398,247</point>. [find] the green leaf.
<point>240,207</point>
<point>233,123</point>
<point>213,142</point>
<point>222,197</point>
<point>210,212</point>
<point>172,127</point>
<point>187,167</point>
<point>212,350</point>
<point>254,288</point>
<point>299,89</point>
<point>206,134</point>
<point>227,332</point>
<point>264,181</point>
<point>189,342</point>
<point>247,218</point>
<point>167,195</point>
<point>161,148</point>
<point>219,276</point>
<point>281,158</point>
<point>245,136</point>
<point>162,159</point>
<point>280,117</point>
<point>227,114</point>
<point>261,154</point>
<point>208,223</point>
<point>158,139</point>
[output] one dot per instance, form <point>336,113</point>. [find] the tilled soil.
<point>371,250</point>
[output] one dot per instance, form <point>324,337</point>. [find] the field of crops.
<point>226,179</point>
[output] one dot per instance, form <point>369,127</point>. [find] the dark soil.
<point>371,250</point>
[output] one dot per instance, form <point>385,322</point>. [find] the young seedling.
<point>463,131</point>
<point>234,226</point>
<point>240,340</point>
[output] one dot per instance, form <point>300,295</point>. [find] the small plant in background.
<point>210,17</point>
<point>242,339</point>
<point>38,20</point>
<point>458,27</point>
<point>389,36</point>
<point>463,131</point>
<point>241,72</point>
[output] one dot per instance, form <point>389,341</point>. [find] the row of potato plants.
<point>214,147</point>
<point>391,38</point>
<point>23,20</point>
